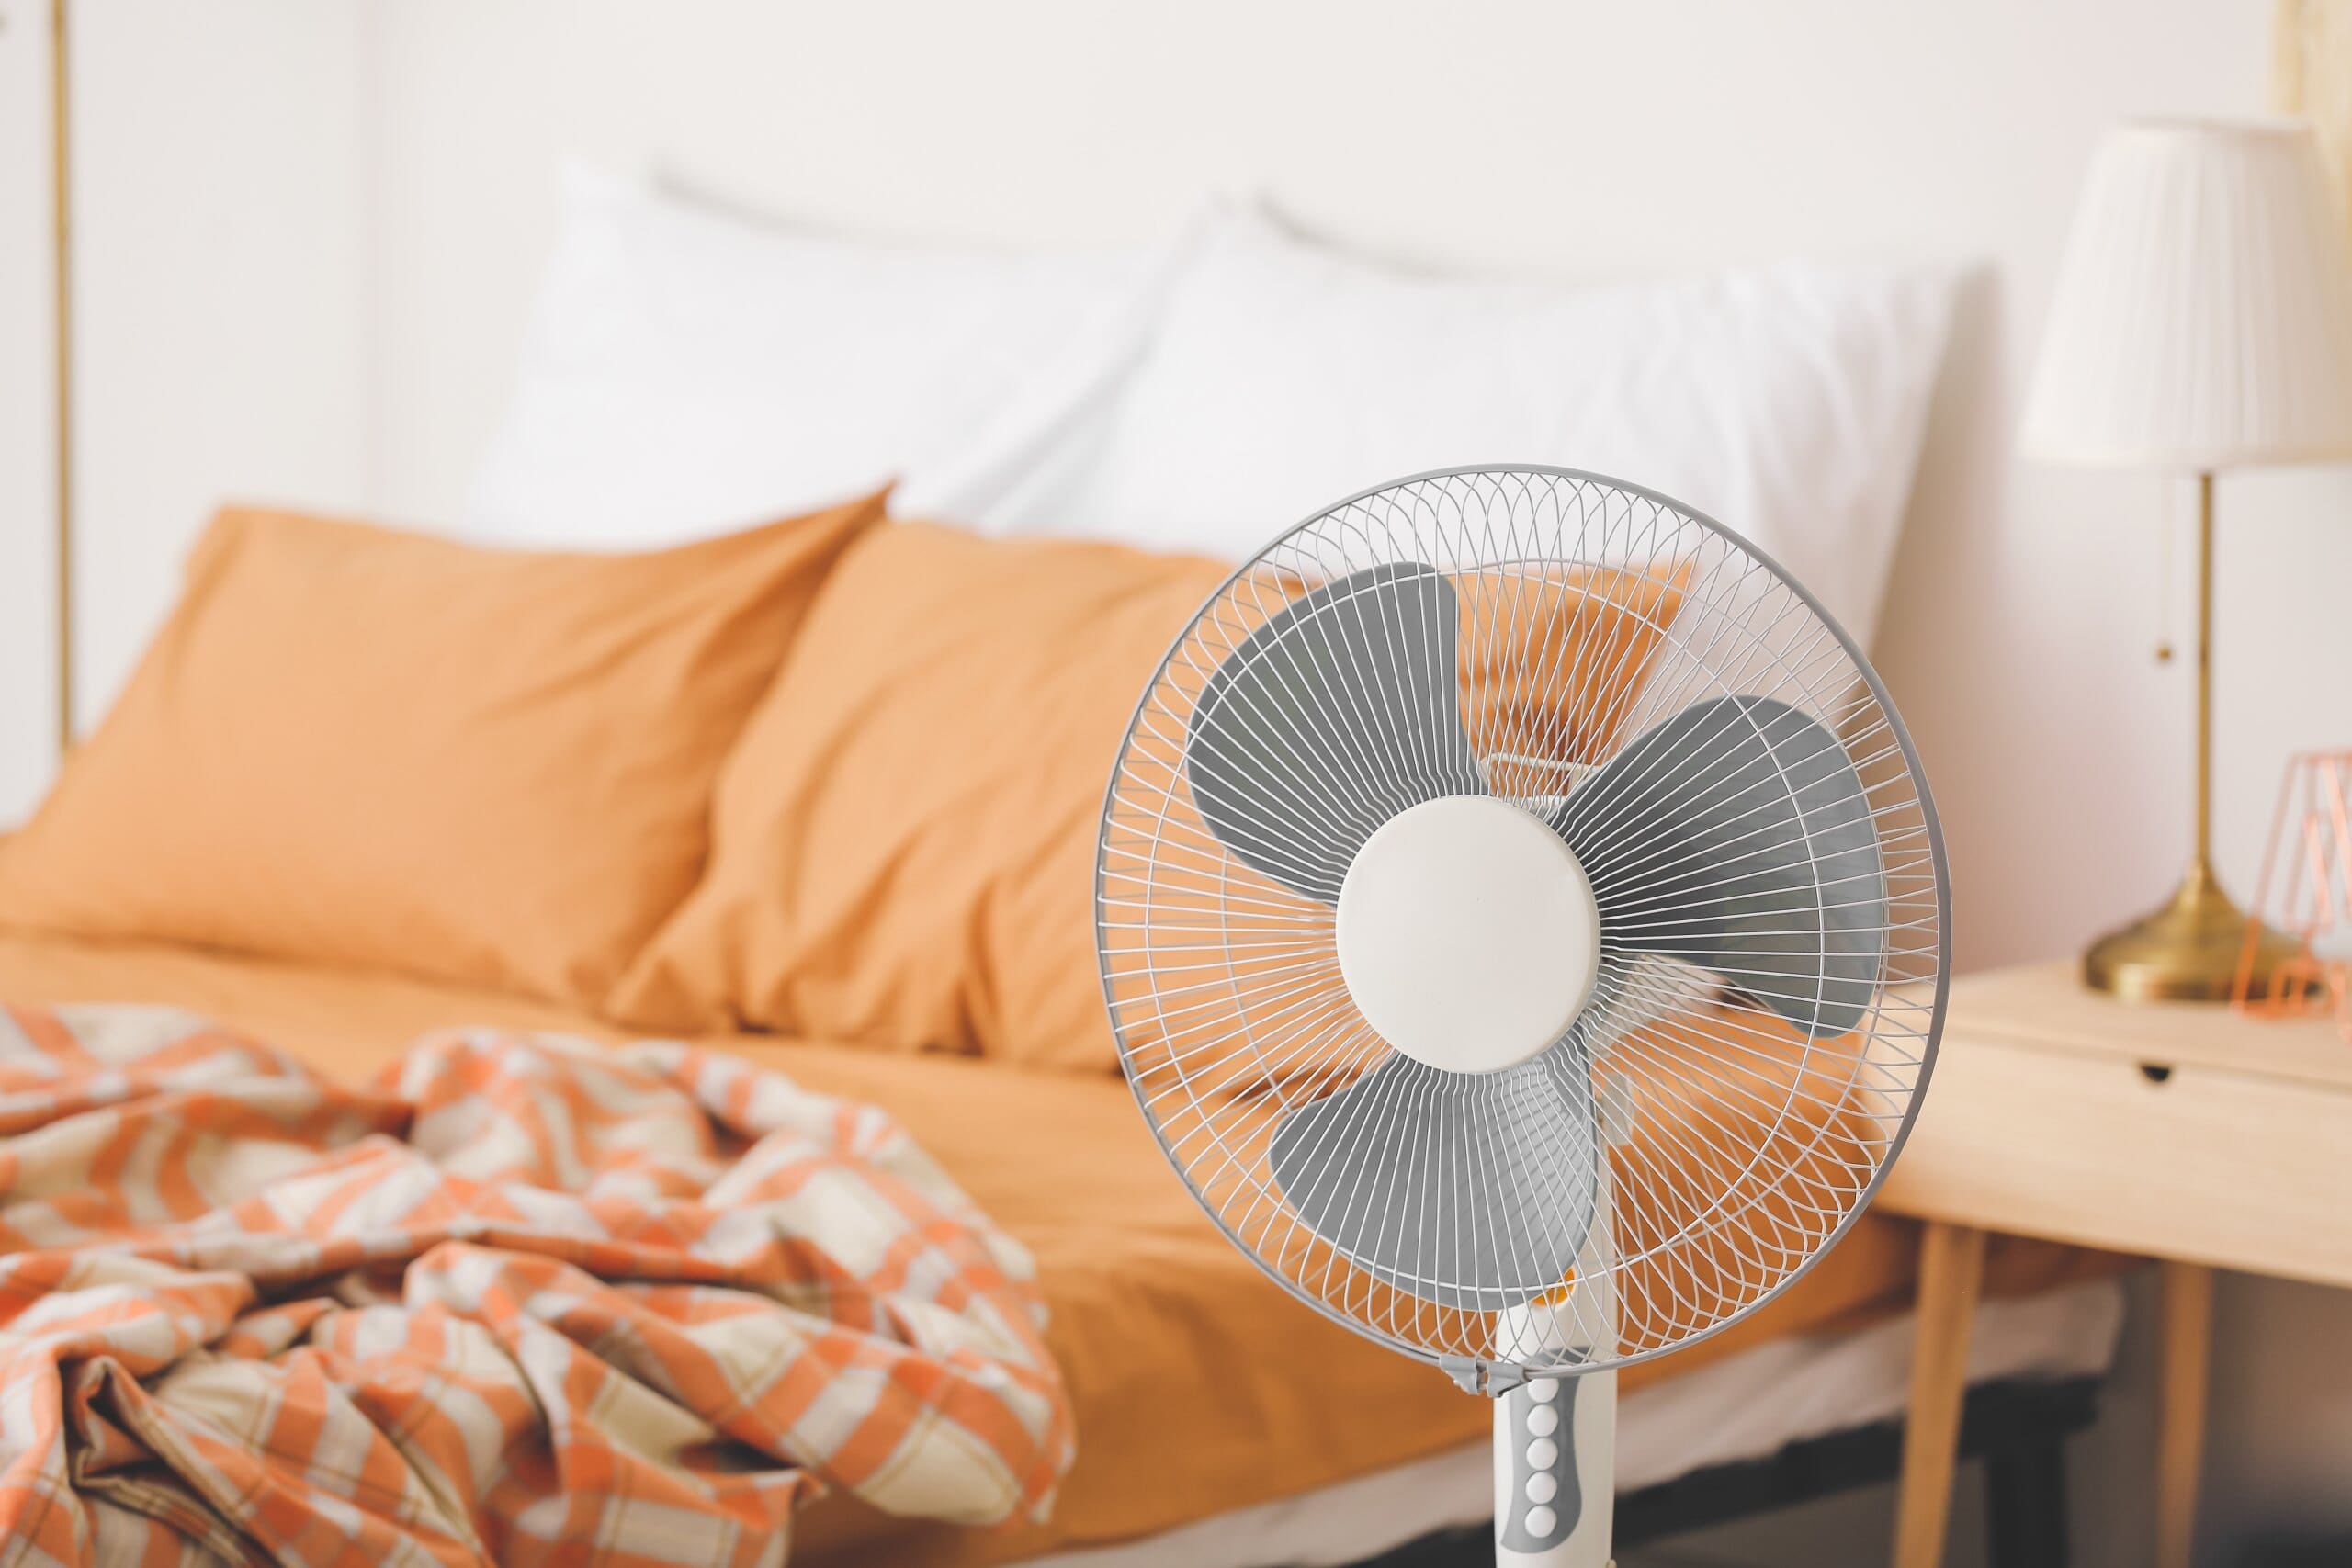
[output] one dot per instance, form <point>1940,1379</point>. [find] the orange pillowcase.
<point>903,842</point>
<point>366,747</point>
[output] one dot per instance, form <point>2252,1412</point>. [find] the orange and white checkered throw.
<point>526,1301</point>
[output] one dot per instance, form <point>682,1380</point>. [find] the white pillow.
<point>1787,404</point>
<point>687,371</point>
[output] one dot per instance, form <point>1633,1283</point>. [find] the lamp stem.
<point>2202,864</point>
<point>2199,946</point>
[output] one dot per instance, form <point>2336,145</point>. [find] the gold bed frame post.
<point>61,260</point>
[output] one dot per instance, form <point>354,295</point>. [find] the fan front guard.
<point>1727,773</point>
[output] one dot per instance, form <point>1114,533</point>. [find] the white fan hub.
<point>1467,933</point>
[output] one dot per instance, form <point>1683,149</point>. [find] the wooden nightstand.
<point>2185,1133</point>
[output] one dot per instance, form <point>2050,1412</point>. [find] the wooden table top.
<point>2047,1006</point>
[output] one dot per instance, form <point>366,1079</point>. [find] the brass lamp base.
<point>2187,951</point>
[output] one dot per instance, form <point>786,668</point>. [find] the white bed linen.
<point>689,370</point>
<point>1745,1407</point>
<point>1787,402</point>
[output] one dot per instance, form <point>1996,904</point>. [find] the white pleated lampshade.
<point>2203,316</point>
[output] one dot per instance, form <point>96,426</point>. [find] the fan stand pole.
<point>1556,1438</point>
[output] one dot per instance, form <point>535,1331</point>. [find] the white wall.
<point>1570,140</point>
<point>28,629</point>
<point>312,227</point>
<point>218,269</point>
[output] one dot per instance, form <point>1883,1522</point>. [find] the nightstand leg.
<point>1952,1264</point>
<point>2186,1327</point>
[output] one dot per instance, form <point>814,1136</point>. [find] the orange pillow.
<point>903,842</point>
<point>360,747</point>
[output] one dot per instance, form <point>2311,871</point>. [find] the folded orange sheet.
<point>525,1301</point>
<point>1199,1386</point>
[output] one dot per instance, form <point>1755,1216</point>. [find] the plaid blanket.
<point>525,1300</point>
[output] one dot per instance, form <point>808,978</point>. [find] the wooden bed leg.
<point>1952,1264</point>
<point>2185,1327</point>
<point>2025,1505</point>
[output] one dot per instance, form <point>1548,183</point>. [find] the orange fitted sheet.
<point>1199,1385</point>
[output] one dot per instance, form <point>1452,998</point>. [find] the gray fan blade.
<point>1471,1191</point>
<point>1333,716</point>
<point>1737,836</point>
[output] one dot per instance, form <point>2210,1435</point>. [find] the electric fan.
<point>1522,920</point>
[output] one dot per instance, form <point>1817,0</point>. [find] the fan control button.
<point>1542,1391</point>
<point>1542,1454</point>
<point>1542,1420</point>
<point>1542,1521</point>
<point>1541,1486</point>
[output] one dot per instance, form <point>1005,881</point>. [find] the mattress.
<point>1746,1406</point>
<point>1201,1388</point>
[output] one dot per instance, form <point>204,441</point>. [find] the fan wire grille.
<point>1740,1147</point>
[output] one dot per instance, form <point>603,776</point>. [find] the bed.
<point>1201,1391</point>
<point>852,840</point>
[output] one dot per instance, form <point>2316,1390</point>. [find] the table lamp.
<point>2204,320</point>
